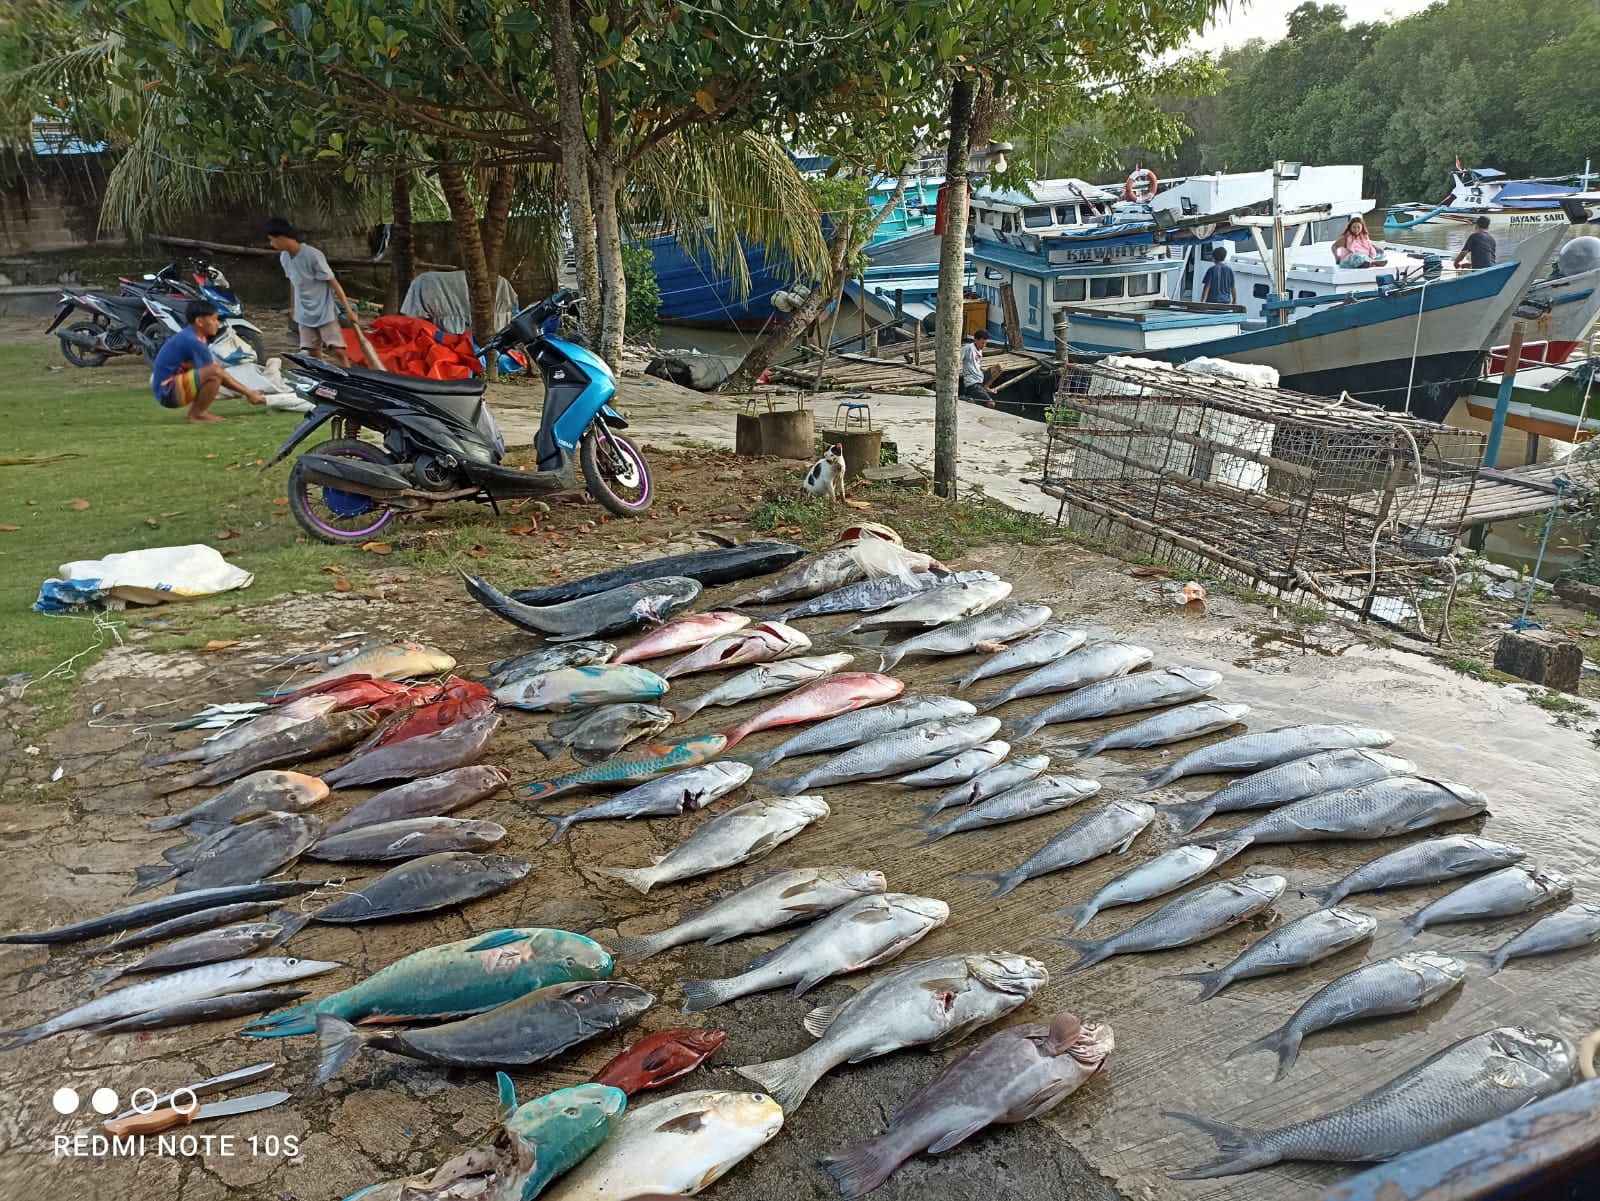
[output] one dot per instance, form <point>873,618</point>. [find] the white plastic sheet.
<point>141,577</point>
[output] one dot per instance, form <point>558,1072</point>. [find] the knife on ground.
<point>158,1120</point>
<point>200,1088</point>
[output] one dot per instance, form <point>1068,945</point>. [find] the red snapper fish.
<point>354,691</point>
<point>827,697</point>
<point>428,719</point>
<point>686,633</point>
<point>659,1059</point>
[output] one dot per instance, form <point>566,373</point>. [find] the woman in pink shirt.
<point>1354,248</point>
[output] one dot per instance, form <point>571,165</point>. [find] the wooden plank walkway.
<point>1495,495</point>
<point>848,372</point>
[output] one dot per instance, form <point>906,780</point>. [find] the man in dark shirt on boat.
<point>1218,286</point>
<point>1479,247</point>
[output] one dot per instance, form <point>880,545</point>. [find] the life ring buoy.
<point>1140,185</point>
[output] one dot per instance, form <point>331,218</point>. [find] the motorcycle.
<point>440,442</point>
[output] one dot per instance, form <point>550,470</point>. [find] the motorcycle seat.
<point>419,384</point>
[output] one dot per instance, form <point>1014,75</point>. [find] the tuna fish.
<point>381,661</point>
<point>643,764</point>
<point>1300,943</point>
<point>761,644</point>
<point>1329,771</point>
<point>962,637</point>
<point>852,729</point>
<point>298,744</point>
<point>769,679</point>
<point>1194,916</point>
<point>547,659</point>
<point>881,592</point>
<point>1110,828</point>
<point>1001,778</point>
<point>1096,662</point>
<point>665,796</point>
<point>830,696</point>
<point>1154,689</point>
<point>581,687</point>
<point>1050,643</point>
<point>255,794</point>
<point>430,797</point>
<point>936,607</point>
<point>686,633</point>
<point>1425,862</point>
<point>658,1059</point>
<point>735,836</point>
<point>425,884</point>
<point>235,854</point>
<point>425,755</point>
<point>610,612</point>
<point>1173,725</point>
<point>1578,925</point>
<point>917,746</point>
<point>1032,799</point>
<point>1256,752</point>
<point>1511,890</point>
<point>1379,810</point>
<point>594,735</point>
<point>958,769</point>
<point>408,839</point>
<point>1167,872</point>
<point>236,738</point>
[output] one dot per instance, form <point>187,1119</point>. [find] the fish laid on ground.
<point>938,1001</point>
<point>1472,1082</point>
<point>408,839</point>
<point>255,794</point>
<point>240,736</point>
<point>188,923</point>
<point>1015,1074</point>
<point>958,769</point>
<point>547,659</point>
<point>853,729</point>
<point>686,633</point>
<point>425,884</point>
<point>674,1147</point>
<point>1269,748</point>
<point>531,1029</point>
<point>594,735</point>
<point>1095,663</point>
<point>426,755</point>
<point>192,984</point>
<point>1036,797</point>
<point>830,696</point>
<point>234,854</point>
<point>665,796</point>
<point>581,687</point>
<point>935,607</point>
<point>610,612</point>
<point>453,979</point>
<point>863,933</point>
<point>833,569</point>
<point>768,679</point>
<point>1154,689</point>
<point>1167,872</point>
<point>1300,943</point>
<point>1520,888</point>
<point>760,644</point>
<point>429,797</point>
<point>1001,778</point>
<point>658,1059</point>
<point>917,746</point>
<point>738,835</point>
<point>759,556</point>
<point>298,744</point>
<point>1328,771</point>
<point>209,946</point>
<point>1047,645</point>
<point>381,661</point>
<point>1110,828</point>
<point>1578,925</point>
<point>881,592</point>
<point>1172,725</point>
<point>163,909</point>
<point>206,1009</point>
<point>431,718</point>
<point>1198,914</point>
<point>1402,984</point>
<point>1379,810</point>
<point>643,764</point>
<point>1425,862</point>
<point>784,898</point>
<point>965,636</point>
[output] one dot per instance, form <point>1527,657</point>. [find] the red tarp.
<point>412,346</point>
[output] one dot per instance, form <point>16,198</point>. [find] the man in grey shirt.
<point>315,291</point>
<point>1479,248</point>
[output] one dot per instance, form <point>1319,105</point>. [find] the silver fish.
<point>863,933</point>
<point>768,679</point>
<point>1156,877</point>
<point>1048,644</point>
<point>834,568</point>
<point>868,596</point>
<point>237,737</point>
<point>1403,984</point>
<point>1173,725</point>
<point>1292,781</point>
<point>784,898</point>
<point>665,796</point>
<point>206,1009</point>
<point>1095,662</point>
<point>936,607</point>
<point>1046,794</point>
<point>958,769</point>
<point>210,946</point>
<point>918,746</point>
<point>1269,748</point>
<point>581,687</point>
<point>594,735</point>
<point>1154,689</point>
<point>1578,925</point>
<point>548,659</point>
<point>1304,941</point>
<point>1511,890</point>
<point>1378,810</point>
<point>410,838</point>
<point>1110,828</point>
<point>1465,1085</point>
<point>962,637</point>
<point>852,729</point>
<point>738,835</point>
<point>1198,914</point>
<point>998,779</point>
<point>1425,862</point>
<point>938,1001</point>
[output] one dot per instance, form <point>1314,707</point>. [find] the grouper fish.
<point>611,612</point>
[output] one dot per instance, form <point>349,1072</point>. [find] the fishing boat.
<point>694,292</point>
<point>1509,204</point>
<point>1560,401</point>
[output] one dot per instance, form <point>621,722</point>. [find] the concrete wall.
<point>54,206</point>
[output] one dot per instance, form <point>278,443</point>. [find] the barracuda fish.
<point>1425,862</point>
<point>958,769</point>
<point>1296,780</point>
<point>1092,664</point>
<point>1001,778</point>
<point>997,625</point>
<point>936,607</point>
<point>666,796</point>
<point>1050,643</point>
<point>631,768</point>
<point>1256,752</point>
<point>1174,725</point>
<point>686,633</point>
<point>1110,828</point>
<point>830,696</point>
<point>768,679</point>
<point>609,612</point>
<point>206,1009</point>
<point>1167,872</point>
<point>735,836</point>
<point>1198,914</point>
<point>163,909</point>
<point>1153,689</point>
<point>209,946</point>
<point>547,659</point>
<point>594,735</point>
<point>1300,943</point>
<point>381,661</point>
<point>917,746</point>
<point>581,687</point>
<point>882,592</point>
<point>852,729</point>
<point>1044,795</point>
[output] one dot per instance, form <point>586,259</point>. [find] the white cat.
<point>826,477</point>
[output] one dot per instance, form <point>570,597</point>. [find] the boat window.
<point>1142,285</point>
<point>1305,295</point>
<point>1261,291</point>
<point>1068,289</point>
<point>1105,286</point>
<point>993,273</point>
<point>1066,214</point>
<point>1008,223</point>
<point>1036,218</point>
<point>1033,306</point>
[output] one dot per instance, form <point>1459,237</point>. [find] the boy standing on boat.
<point>1218,286</point>
<point>976,382</point>
<point>1479,247</point>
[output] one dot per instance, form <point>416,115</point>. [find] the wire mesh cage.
<point>1298,492</point>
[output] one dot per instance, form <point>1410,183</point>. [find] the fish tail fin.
<point>338,1042</point>
<point>300,1019</point>
<point>291,923</point>
<point>683,712</point>
<point>699,995</point>
<point>1228,848</point>
<point>930,810</point>
<point>1150,781</point>
<point>562,825</point>
<point>859,1169</point>
<point>788,786</point>
<point>168,760</point>
<point>549,747</point>
<point>1322,897</point>
<point>787,1081</point>
<point>176,783</point>
<point>506,1097</point>
<point>98,980</point>
<point>962,683</point>
<point>1004,882</point>
<point>734,735</point>
<point>987,703</point>
<point>1489,961</point>
<point>1404,930</point>
<point>887,659</point>
<point>171,822</point>
<point>1241,1149</point>
<point>640,947</point>
<point>1020,728</point>
<point>536,790</point>
<point>1090,951</point>
<point>1078,752</point>
<point>24,1035</point>
<point>931,836</point>
<point>1284,1042</point>
<point>633,877</point>
<point>762,760</point>
<point>1080,914</point>
<point>148,877</point>
<point>1211,983</point>
<point>1184,818</point>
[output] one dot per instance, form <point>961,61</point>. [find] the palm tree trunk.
<point>607,179</point>
<point>575,161</point>
<point>496,216</point>
<point>403,238</point>
<point>952,274</point>
<point>469,244</point>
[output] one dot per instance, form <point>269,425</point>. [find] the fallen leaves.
<point>342,585</point>
<point>220,644</point>
<point>1149,573</point>
<point>280,500</point>
<point>9,529</point>
<point>152,522</point>
<point>224,535</point>
<point>478,550</point>
<point>532,528</point>
<point>174,513</point>
<point>377,548</point>
<point>80,505</point>
<point>333,569</point>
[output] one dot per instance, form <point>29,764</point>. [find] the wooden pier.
<point>879,373</point>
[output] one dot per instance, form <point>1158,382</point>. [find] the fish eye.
<point>291,962</point>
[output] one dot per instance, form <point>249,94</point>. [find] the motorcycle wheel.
<point>151,341</point>
<point>82,356</point>
<point>617,475</point>
<point>330,515</point>
<point>253,340</point>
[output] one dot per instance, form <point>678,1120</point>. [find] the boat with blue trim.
<point>1508,204</point>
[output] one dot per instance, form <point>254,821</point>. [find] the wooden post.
<point>863,312</point>
<point>871,348</point>
<point>1063,345</point>
<point>899,307</point>
<point>1502,400</point>
<point>1012,324</point>
<point>916,343</point>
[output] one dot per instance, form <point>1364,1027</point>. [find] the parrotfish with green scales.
<point>455,979</point>
<point>642,764</point>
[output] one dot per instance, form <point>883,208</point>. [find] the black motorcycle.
<point>440,442</point>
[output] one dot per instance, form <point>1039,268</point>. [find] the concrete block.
<point>1585,596</point>
<point>861,449</point>
<point>789,434</point>
<point>1540,657</point>
<point>898,475</point>
<point>747,434</point>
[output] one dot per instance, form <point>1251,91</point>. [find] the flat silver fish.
<point>1046,645</point>
<point>1269,748</point>
<point>918,746</point>
<point>1379,810</point>
<point>1300,943</point>
<point>1001,624</point>
<point>1153,689</point>
<point>1167,872</point>
<point>854,728</point>
<point>1198,914</point>
<point>1036,797</point>
<point>1296,780</point>
<point>868,596</point>
<point>1110,828</point>
<point>737,835</point>
<point>1578,925</point>
<point>1511,890</point>
<point>936,607</point>
<point>1173,725</point>
<point>665,796</point>
<point>958,769</point>
<point>1092,664</point>
<point>1425,862</point>
<point>1001,778</point>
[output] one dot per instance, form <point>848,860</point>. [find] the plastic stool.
<point>850,413</point>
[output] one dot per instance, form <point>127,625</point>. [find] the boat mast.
<point>1280,271</point>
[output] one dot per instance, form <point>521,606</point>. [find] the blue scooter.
<point>440,443</point>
